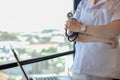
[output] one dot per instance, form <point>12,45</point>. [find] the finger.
<point>113,44</point>
<point>66,26</point>
<point>70,19</point>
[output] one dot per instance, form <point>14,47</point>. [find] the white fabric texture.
<point>95,58</point>
<point>87,77</point>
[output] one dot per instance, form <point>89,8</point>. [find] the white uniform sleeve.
<point>116,13</point>
<point>78,11</point>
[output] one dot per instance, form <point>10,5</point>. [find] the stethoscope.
<point>71,37</point>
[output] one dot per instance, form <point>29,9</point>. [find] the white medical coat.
<point>95,58</point>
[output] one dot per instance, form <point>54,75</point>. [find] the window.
<point>35,28</point>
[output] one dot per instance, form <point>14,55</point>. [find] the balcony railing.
<point>25,62</point>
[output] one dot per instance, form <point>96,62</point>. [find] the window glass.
<point>34,28</point>
<point>57,67</point>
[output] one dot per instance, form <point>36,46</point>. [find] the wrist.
<point>83,28</point>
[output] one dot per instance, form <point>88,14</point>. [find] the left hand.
<point>72,25</point>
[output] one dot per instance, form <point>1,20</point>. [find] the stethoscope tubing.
<point>71,37</point>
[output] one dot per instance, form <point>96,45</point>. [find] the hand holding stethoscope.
<point>69,34</point>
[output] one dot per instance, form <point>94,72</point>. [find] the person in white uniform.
<point>97,52</point>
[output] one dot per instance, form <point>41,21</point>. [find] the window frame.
<point>34,60</point>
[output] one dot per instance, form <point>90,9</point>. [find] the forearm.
<point>88,38</point>
<point>109,31</point>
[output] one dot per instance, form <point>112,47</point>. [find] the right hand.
<point>73,25</point>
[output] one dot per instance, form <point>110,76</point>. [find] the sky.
<point>33,15</point>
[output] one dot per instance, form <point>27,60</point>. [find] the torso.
<point>94,57</point>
